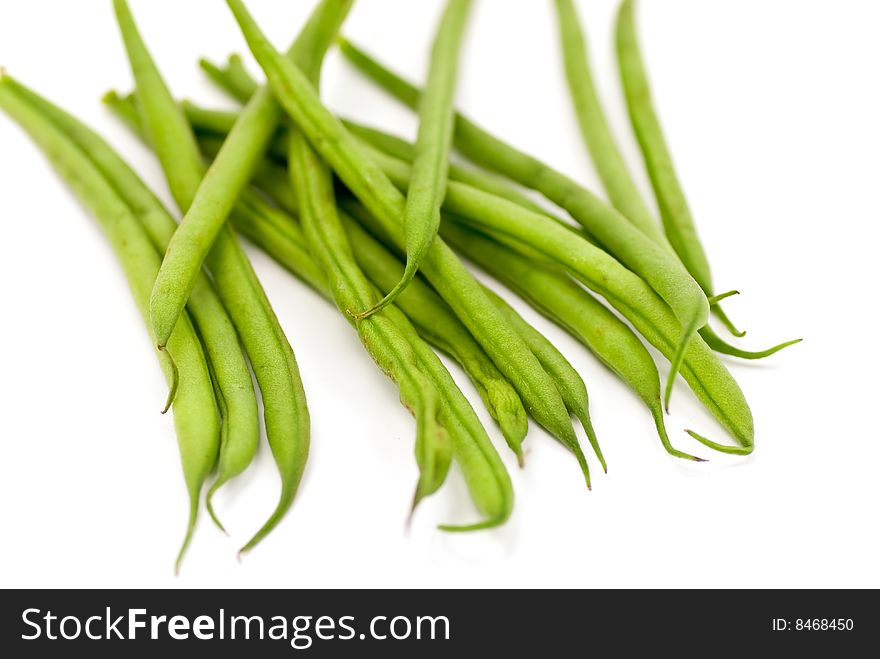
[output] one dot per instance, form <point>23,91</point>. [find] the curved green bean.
<point>654,263</point>
<point>441,267</point>
<point>609,162</point>
<point>195,412</point>
<point>677,219</point>
<point>235,392</point>
<point>285,411</point>
<point>228,175</point>
<point>378,333</point>
<point>421,218</point>
<point>325,236</point>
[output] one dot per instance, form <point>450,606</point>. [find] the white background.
<point>771,107</point>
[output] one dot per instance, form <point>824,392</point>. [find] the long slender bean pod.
<point>654,263</point>
<point>235,393</point>
<point>312,181</point>
<point>280,236</point>
<point>677,219</point>
<point>226,178</point>
<point>195,412</point>
<point>285,411</point>
<point>379,334</point>
<point>610,164</point>
<point>431,162</point>
<point>441,267</point>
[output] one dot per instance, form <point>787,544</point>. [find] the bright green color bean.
<point>421,218</point>
<point>484,473</point>
<point>553,293</point>
<point>380,333</point>
<point>226,178</point>
<point>235,392</point>
<point>674,211</point>
<point>285,411</point>
<point>441,267</point>
<point>654,263</point>
<point>195,412</point>
<point>279,236</point>
<point>625,291</point>
<point>569,382</point>
<point>610,165</point>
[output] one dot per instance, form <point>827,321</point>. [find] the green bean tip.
<point>209,504</point>
<point>721,448</point>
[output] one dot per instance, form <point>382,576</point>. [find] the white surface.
<point>771,109</point>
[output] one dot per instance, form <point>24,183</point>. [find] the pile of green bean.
<point>378,226</point>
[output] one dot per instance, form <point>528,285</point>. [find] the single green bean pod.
<point>195,412</point>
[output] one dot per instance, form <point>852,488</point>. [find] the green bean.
<point>441,267</point>
<point>325,236</point>
<point>674,211</point>
<point>279,236</point>
<point>235,392</point>
<point>655,264</point>
<point>285,411</point>
<point>229,174</point>
<point>625,291</point>
<point>554,294</point>
<point>609,162</point>
<point>195,412</point>
<point>421,218</point>
<point>487,480</point>
<point>379,334</point>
